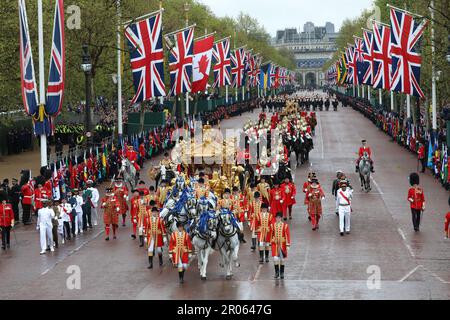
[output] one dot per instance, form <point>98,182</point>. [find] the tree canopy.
<point>98,30</point>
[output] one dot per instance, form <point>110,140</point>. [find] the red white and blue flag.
<point>360,66</point>
<point>57,72</point>
<point>406,61</point>
<point>238,67</point>
<point>257,70</point>
<point>368,57</point>
<point>382,61</point>
<point>180,61</point>
<point>351,74</point>
<point>222,63</point>
<point>27,75</point>
<point>273,75</point>
<point>250,69</point>
<point>147,58</point>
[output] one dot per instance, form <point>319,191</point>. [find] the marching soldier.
<point>226,201</point>
<point>6,222</point>
<point>280,239</point>
<point>277,199</point>
<point>121,191</point>
<point>239,209</point>
<point>180,249</point>
<point>254,209</point>
<point>289,190</point>
<point>134,210</point>
<point>262,223</point>
<point>45,225</point>
<point>344,201</point>
<point>315,196</point>
<point>141,187</point>
<point>155,235</point>
<point>151,196</point>
<point>306,186</point>
<point>416,199</point>
<point>111,206</point>
<point>264,189</point>
<point>27,201</point>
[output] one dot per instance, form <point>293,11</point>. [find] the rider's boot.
<point>261,256</point>
<point>150,262</point>
<point>357,169</point>
<point>213,244</point>
<point>267,256</point>
<point>242,238</point>
<point>282,271</point>
<point>160,259</point>
<point>141,241</point>
<point>372,168</point>
<point>277,271</point>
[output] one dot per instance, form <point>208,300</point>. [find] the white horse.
<point>203,236</point>
<point>129,173</point>
<point>365,168</point>
<point>228,241</point>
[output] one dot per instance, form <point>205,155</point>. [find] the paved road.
<point>322,264</point>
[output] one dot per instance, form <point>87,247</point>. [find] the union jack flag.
<point>180,61</point>
<point>250,69</point>
<point>368,57</point>
<point>238,67</point>
<point>27,75</point>
<point>350,55</point>
<point>147,58</point>
<point>57,72</point>
<point>273,75</point>
<point>382,61</point>
<point>406,61</point>
<point>257,70</point>
<point>222,63</point>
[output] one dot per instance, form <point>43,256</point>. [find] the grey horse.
<point>364,172</point>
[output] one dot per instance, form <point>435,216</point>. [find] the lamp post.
<point>86,66</point>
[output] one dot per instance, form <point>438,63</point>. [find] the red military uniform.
<point>142,150</point>
<point>418,197</point>
<point>142,189</point>
<point>446,225</point>
<point>289,192</point>
<point>254,210</point>
<point>6,215</point>
<point>132,156</point>
<point>155,231</point>
<point>421,152</point>
<point>27,194</point>
<point>111,207</point>
<point>280,239</point>
<point>262,226</point>
<point>365,149</point>
<point>134,212</point>
<point>239,206</point>
<point>277,199</point>
<point>48,186</point>
<point>180,247</point>
<point>315,196</point>
<point>122,195</point>
<point>40,194</point>
<point>305,191</point>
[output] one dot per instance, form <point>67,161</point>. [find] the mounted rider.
<point>364,149</point>
<point>132,156</point>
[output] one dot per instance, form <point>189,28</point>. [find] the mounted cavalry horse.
<point>129,173</point>
<point>365,167</point>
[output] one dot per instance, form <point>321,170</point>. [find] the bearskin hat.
<point>414,179</point>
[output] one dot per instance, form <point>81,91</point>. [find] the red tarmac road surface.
<point>321,265</point>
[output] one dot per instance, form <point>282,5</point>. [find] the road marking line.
<point>306,260</point>
<point>410,273</point>
<point>376,185</point>
<point>435,275</point>
<point>257,272</point>
<point>402,234</point>
<point>411,252</point>
<point>321,135</point>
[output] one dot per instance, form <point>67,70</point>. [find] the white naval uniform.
<point>45,226</point>
<point>79,216</point>
<point>344,208</point>
<point>94,199</point>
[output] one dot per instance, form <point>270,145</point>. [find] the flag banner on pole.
<point>258,62</point>
<point>147,58</point>
<point>368,57</point>
<point>382,61</point>
<point>360,65</point>
<point>57,70</point>
<point>222,63</point>
<point>27,75</point>
<point>272,75</point>
<point>201,63</point>
<point>264,76</point>
<point>238,67</point>
<point>180,61</point>
<point>251,69</point>
<point>406,61</point>
<point>350,55</point>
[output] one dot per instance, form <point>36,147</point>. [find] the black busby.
<point>257,194</point>
<point>227,190</point>
<point>414,179</point>
<point>155,209</point>
<point>264,206</point>
<point>279,214</point>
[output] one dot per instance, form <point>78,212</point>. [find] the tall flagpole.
<point>368,93</point>
<point>119,76</point>
<point>433,71</point>
<point>380,96</point>
<point>43,136</point>
<point>392,100</point>
<point>408,106</point>
<point>186,10</point>
<point>161,98</point>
